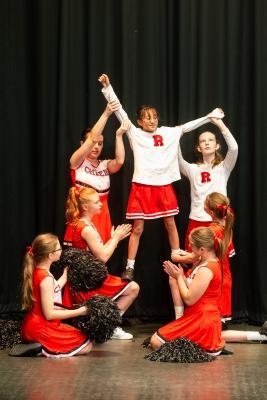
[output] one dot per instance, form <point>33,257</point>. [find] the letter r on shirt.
<point>158,140</point>
<point>205,177</point>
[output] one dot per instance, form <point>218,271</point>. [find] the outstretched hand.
<point>112,106</point>
<point>216,113</point>
<point>173,270</point>
<point>104,79</point>
<point>125,126</point>
<point>122,231</point>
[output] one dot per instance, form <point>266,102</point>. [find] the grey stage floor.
<point>118,370</point>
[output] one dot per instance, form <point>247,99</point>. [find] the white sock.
<point>130,263</point>
<point>179,311</point>
<point>251,335</point>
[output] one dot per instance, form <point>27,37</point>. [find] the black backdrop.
<point>184,56</point>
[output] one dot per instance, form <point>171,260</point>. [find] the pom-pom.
<point>180,350</point>
<point>9,333</point>
<point>85,271</point>
<point>103,317</point>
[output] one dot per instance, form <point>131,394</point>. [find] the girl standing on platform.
<point>82,205</point>
<point>42,322</point>
<point>88,171</point>
<point>155,168</point>
<point>210,174</point>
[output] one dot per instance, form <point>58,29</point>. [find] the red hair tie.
<point>223,208</point>
<point>30,250</point>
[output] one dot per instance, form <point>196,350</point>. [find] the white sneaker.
<point>120,334</point>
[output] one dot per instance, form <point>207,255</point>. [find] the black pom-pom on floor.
<point>180,350</point>
<point>9,333</point>
<point>103,317</point>
<point>85,271</point>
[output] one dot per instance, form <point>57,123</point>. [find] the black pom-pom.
<point>85,271</point>
<point>103,317</point>
<point>9,333</point>
<point>180,350</point>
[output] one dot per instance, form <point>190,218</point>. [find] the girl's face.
<point>207,144</point>
<point>94,205</point>
<point>57,252</point>
<point>195,250</point>
<point>149,121</point>
<point>96,150</point>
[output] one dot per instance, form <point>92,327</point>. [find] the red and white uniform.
<point>205,179</point>
<point>155,164</point>
<point>201,322</point>
<point>226,296</point>
<point>112,287</point>
<point>57,339</point>
<point>88,175</point>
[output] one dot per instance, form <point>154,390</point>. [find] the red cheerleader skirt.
<point>151,202</point>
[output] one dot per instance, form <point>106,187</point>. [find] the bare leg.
<point>138,227</point>
<point>176,297</point>
<point>243,336</point>
<point>170,226</point>
<point>155,342</point>
<point>128,297</point>
<point>85,350</point>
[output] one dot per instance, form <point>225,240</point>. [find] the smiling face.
<point>149,120</point>
<point>93,205</point>
<point>207,144</point>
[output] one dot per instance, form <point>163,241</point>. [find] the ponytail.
<point>76,198</point>
<point>220,206</point>
<point>41,246</point>
<point>72,206</point>
<point>27,292</point>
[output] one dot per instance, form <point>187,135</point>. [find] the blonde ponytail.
<point>41,246</point>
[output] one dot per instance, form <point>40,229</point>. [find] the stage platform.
<point>117,370</point>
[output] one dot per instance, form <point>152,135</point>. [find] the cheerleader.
<point>82,205</point>
<point>155,168</point>
<point>210,173</point>
<point>42,322</point>
<point>217,206</point>
<point>201,292</point>
<point>88,171</point>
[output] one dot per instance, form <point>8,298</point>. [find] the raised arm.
<point>191,125</point>
<point>104,251</point>
<point>94,136</point>
<point>116,164</point>
<point>110,95</point>
<point>183,164</point>
<point>232,152</point>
